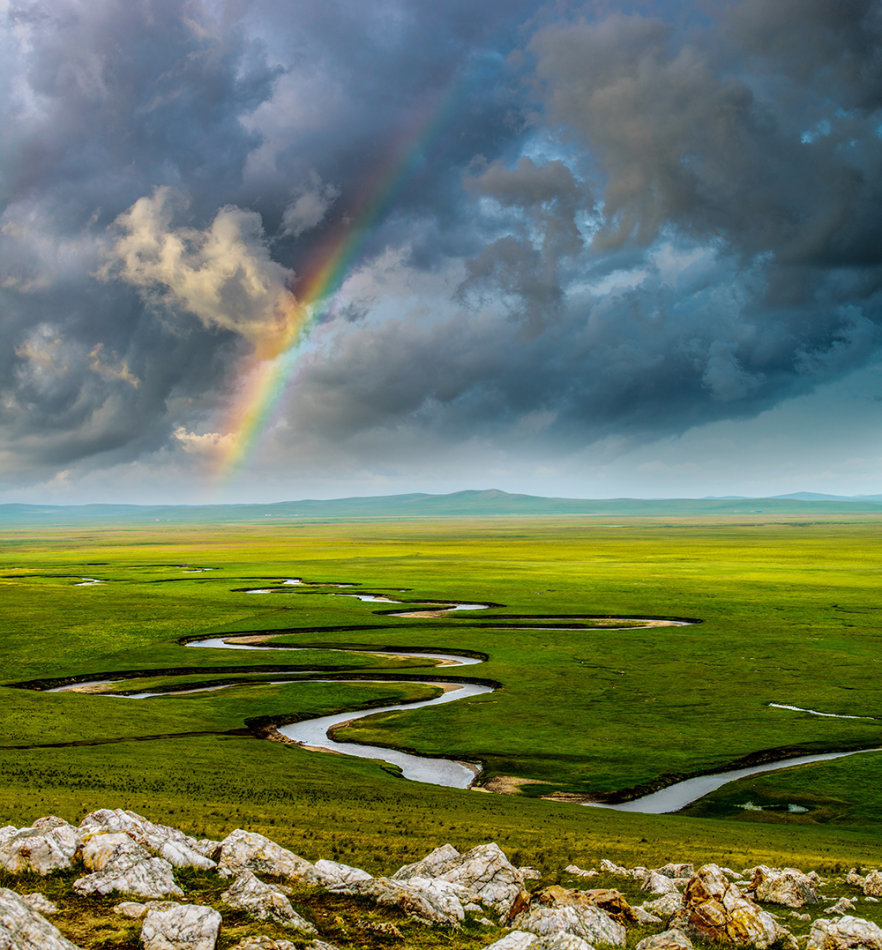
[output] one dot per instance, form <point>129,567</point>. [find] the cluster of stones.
<point>121,852</point>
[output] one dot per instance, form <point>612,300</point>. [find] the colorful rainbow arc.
<point>268,382</point>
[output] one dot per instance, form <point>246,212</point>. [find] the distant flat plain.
<point>790,615</point>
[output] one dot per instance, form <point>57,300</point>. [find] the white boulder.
<point>180,927</point>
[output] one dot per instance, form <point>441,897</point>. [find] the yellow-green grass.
<point>789,614</point>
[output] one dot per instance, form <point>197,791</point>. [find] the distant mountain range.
<point>463,504</point>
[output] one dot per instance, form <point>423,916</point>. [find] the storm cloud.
<point>575,223</point>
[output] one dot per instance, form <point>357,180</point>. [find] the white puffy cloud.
<point>223,275</point>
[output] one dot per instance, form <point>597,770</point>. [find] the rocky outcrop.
<point>665,906</point>
<point>40,903</point>
<point>171,844</point>
<point>568,913</point>
<point>668,940</point>
<point>433,901</point>
<point>786,886</point>
<point>657,883</point>
<point>433,864</point>
<point>487,872</point>
<point>330,873</point>
<point>22,928</point>
<point>520,940</point>
<point>180,927</point>
<point>842,906</point>
<point>715,910</point>
<point>247,850</point>
<point>50,844</point>
<point>145,878</point>
<point>844,933</point>
<point>872,884</point>
<point>264,902</point>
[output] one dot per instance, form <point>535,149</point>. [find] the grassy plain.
<point>790,614</point>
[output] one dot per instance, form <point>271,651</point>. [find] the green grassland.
<point>789,611</point>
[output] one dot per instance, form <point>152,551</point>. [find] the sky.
<point>254,250</point>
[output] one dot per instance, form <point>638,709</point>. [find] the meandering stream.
<point>316,733</point>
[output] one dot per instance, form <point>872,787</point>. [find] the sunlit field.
<point>787,613</point>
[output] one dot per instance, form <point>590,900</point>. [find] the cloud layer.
<point>577,226</point>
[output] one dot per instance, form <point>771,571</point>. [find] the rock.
<point>872,884</point>
<point>331,873</point>
<point>516,940</point>
<point>22,928</point>
<point>561,942</point>
<point>786,886</point>
<point>608,900</point>
<point>717,911</point>
<point>247,850</point>
<point>150,878</point>
<point>267,943</point>
<point>657,883</point>
<point>874,900</point>
<point>530,874</point>
<point>798,916</point>
<point>264,901</point>
<point>7,832</point>
<point>105,848</point>
<point>48,845</point>
<point>844,932</point>
<point>668,940</point>
<point>842,906</point>
<point>431,900</point>
<point>180,927</point>
<point>644,917</point>
<point>487,872</point>
<point>683,870</point>
<point>433,864</point>
<point>665,906</point>
<point>315,945</point>
<point>854,878</point>
<point>40,903</point>
<point>179,849</point>
<point>609,868</point>
<point>131,909</point>
<point>578,872</point>
<point>589,923</point>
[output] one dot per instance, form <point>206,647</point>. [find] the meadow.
<point>789,613</point>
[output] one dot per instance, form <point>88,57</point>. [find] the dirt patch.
<point>506,784</point>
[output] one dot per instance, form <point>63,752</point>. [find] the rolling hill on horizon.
<point>470,503</point>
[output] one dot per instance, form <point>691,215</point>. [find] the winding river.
<point>317,733</point>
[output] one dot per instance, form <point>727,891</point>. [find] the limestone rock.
<point>516,940</point>
<point>131,909</point>
<point>665,906</point>
<point>644,917</point>
<point>684,870</point>
<point>589,923</point>
<point>786,886</point>
<point>717,911</point>
<point>561,942</point>
<point>40,903</point>
<point>180,927</point>
<point>264,901</point>
<point>22,928</point>
<point>657,883</point>
<point>842,906</point>
<point>331,873</point>
<point>843,933</point>
<point>669,940</point>
<point>610,901</point>
<point>265,943</point>
<point>609,868</point>
<point>48,845</point>
<point>872,884</point>
<point>6,832</point>
<point>530,874</point>
<point>179,849</point>
<point>576,871</point>
<point>105,848</point>
<point>858,880</point>
<point>431,900</point>
<point>487,872</point>
<point>247,850</point>
<point>433,864</point>
<point>150,878</point>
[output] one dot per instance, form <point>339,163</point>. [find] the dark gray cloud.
<point>597,220</point>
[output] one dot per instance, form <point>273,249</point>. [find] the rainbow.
<point>266,384</point>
